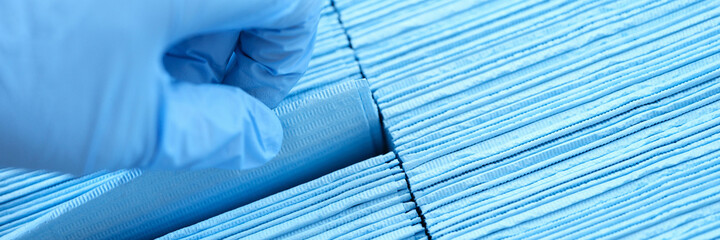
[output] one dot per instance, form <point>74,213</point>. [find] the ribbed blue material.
<point>554,119</point>
<point>368,200</point>
<point>34,197</point>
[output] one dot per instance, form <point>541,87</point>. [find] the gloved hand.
<point>84,86</point>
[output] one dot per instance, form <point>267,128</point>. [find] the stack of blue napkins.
<point>557,119</point>
<point>368,200</point>
<point>30,198</point>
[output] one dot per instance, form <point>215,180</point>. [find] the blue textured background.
<point>504,119</point>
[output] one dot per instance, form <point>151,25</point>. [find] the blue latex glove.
<point>84,86</point>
